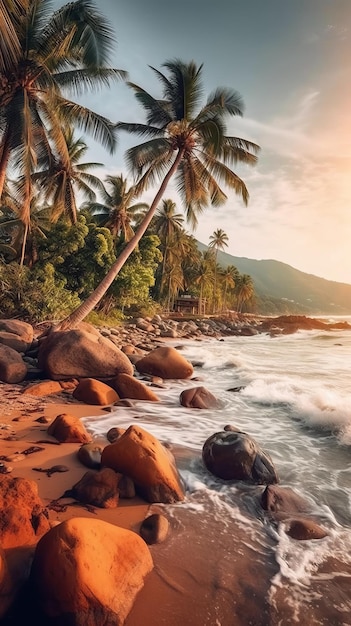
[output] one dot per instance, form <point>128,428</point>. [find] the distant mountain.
<point>283,288</point>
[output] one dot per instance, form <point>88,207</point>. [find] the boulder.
<point>69,429</point>
<point>12,367</point>
<point>154,528</point>
<point>304,529</point>
<point>198,398</point>
<point>114,433</point>
<point>139,455</point>
<point>81,354</point>
<point>23,518</point>
<point>97,488</point>
<point>129,387</point>
<point>165,362</point>
<point>236,456</point>
<point>88,572</point>
<point>92,391</point>
<point>89,454</point>
<point>16,334</point>
<point>282,502</point>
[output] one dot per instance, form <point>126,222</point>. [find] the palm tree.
<point>244,290</point>
<point>63,180</point>
<point>229,277</point>
<point>52,53</point>
<point>204,278</point>
<point>116,211</point>
<point>24,237</point>
<point>217,242</point>
<point>166,224</point>
<point>187,141</point>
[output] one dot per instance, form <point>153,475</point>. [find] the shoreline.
<point>205,572</point>
<point>190,583</point>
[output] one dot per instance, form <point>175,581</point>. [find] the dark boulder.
<point>236,456</point>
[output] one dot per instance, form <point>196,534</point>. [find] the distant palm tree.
<point>118,210</point>
<point>50,55</point>
<point>229,277</point>
<point>204,278</point>
<point>244,290</point>
<point>185,140</point>
<point>24,237</point>
<point>217,242</point>
<point>166,224</point>
<point>63,179</point>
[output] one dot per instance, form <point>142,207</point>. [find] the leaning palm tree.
<point>54,54</point>
<point>185,140</point>
<point>218,241</point>
<point>118,210</point>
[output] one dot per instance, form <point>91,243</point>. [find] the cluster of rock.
<point>23,355</point>
<point>86,571</point>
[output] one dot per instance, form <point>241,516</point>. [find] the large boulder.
<point>236,456</point>
<point>16,334</point>
<point>81,354</point>
<point>92,391</point>
<point>23,518</point>
<point>87,572</point>
<point>166,362</point>
<point>139,455</point>
<point>12,367</point>
<point>130,387</point>
<point>68,428</point>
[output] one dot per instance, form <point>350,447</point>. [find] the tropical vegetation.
<point>61,226</point>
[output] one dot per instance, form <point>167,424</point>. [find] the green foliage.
<point>79,253</point>
<point>35,295</point>
<point>112,319</point>
<point>133,283</point>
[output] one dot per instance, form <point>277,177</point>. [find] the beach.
<point>192,581</point>
<point>223,563</point>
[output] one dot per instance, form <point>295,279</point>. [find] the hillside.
<point>290,289</point>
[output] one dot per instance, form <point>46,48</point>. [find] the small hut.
<point>190,304</point>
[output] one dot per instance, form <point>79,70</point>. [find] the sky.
<point>291,62</point>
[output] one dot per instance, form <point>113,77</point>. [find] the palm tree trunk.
<point>86,307</point>
<point>4,158</point>
<point>24,243</point>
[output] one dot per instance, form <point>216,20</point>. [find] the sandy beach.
<point>192,581</point>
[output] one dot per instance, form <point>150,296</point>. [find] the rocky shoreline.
<point>50,380</point>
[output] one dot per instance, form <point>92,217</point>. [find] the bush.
<point>34,295</point>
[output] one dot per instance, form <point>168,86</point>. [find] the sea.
<point>292,394</point>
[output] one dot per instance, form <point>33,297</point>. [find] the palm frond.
<point>142,130</point>
<point>101,128</point>
<point>157,113</point>
<point>93,35</point>
<point>184,88</point>
<point>81,81</point>
<point>140,157</point>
